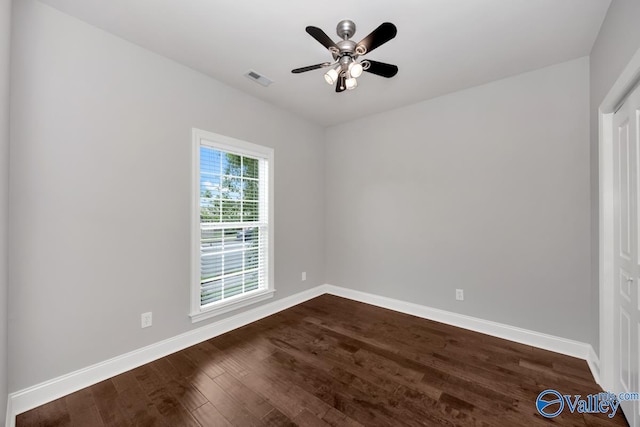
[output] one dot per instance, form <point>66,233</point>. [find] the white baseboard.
<point>594,364</point>
<point>40,394</point>
<point>48,391</point>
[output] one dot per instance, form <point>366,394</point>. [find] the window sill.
<point>232,304</point>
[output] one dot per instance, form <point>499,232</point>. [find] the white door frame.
<point>605,128</point>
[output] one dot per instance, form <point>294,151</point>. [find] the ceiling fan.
<point>347,68</point>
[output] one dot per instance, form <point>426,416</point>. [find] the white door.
<point>626,156</point>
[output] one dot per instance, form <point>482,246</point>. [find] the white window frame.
<point>235,146</point>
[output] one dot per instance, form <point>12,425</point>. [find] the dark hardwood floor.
<point>332,361</point>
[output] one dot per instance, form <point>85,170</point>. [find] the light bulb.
<point>355,68</point>
<point>351,83</point>
<point>331,76</point>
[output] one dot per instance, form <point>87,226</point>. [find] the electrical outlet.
<point>145,320</point>
<point>304,276</point>
<point>459,294</point>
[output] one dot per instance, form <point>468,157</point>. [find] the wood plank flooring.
<point>332,361</point>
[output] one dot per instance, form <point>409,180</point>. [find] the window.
<point>232,227</point>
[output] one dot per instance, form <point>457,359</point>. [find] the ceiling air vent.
<point>258,78</point>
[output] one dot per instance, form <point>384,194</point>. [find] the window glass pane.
<point>231,211</point>
<point>210,254</point>
<point>232,286</point>
<point>210,186</point>
<point>210,264</point>
<point>251,281</point>
<point>210,238</point>
<point>250,211</point>
<point>211,292</point>
<point>250,189</point>
<point>233,262</point>
<point>231,164</point>
<point>231,188</point>
<point>250,167</point>
<point>210,198</point>
<point>209,210</point>
<point>209,161</point>
<point>249,236</point>
<point>251,259</point>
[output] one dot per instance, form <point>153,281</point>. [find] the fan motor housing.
<point>346,46</point>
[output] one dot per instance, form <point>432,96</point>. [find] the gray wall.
<point>5,33</point>
<point>618,40</point>
<point>100,192</point>
<point>486,189</point>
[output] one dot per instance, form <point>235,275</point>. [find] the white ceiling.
<point>442,45</point>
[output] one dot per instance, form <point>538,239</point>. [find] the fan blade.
<point>378,37</point>
<point>341,85</point>
<point>321,37</point>
<point>310,67</point>
<point>381,69</point>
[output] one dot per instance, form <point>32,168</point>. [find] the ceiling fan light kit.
<point>355,68</point>
<point>331,76</point>
<point>351,83</point>
<point>347,68</point>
